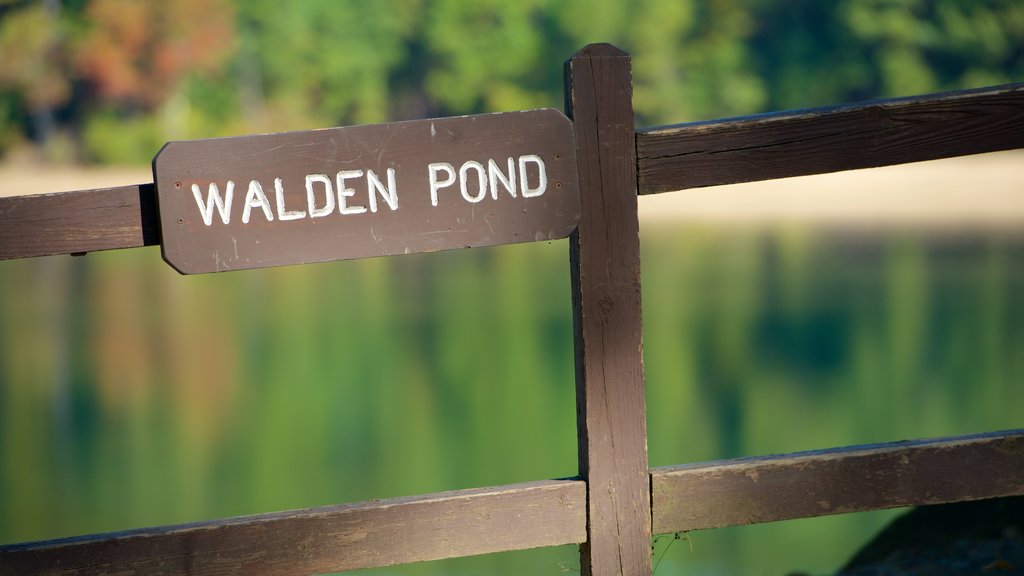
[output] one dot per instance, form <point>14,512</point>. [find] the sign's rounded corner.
<point>172,264</point>
<point>559,114</point>
<point>163,150</point>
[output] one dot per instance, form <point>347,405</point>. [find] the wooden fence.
<point>617,501</point>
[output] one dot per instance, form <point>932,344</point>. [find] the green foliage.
<point>109,138</point>
<point>10,130</point>
<point>331,58</point>
<point>706,70</point>
<point>30,51</point>
<point>486,53</point>
<point>189,68</point>
<point>923,46</point>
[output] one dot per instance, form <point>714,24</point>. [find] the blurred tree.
<point>489,55</point>
<point>139,60</point>
<point>126,75</point>
<point>806,55</point>
<point>33,78</point>
<point>922,46</point>
<point>139,52</point>
<point>693,60</point>
<point>323,62</point>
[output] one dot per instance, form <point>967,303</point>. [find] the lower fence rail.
<point>546,513</point>
<point>836,481</point>
<point>327,539</point>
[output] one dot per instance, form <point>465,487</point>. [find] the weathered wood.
<point>670,158</point>
<point>830,139</point>
<point>836,481</point>
<point>78,221</point>
<point>328,539</point>
<point>605,263</point>
<point>362,191</point>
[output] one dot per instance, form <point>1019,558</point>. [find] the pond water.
<point>131,396</point>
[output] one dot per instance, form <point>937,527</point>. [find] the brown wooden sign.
<point>361,191</point>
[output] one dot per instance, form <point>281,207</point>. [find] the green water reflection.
<point>132,396</point>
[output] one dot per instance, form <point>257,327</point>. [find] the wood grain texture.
<point>831,139</point>
<point>328,539</point>
<point>78,221</point>
<point>836,481</point>
<point>341,217</point>
<point>605,263</point>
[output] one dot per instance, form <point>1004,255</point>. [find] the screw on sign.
<point>362,191</point>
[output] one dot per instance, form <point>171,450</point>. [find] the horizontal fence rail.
<point>830,139</point>
<point>327,539</point>
<point>78,221</point>
<point>761,147</point>
<point>837,481</point>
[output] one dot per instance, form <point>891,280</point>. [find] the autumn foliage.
<point>114,79</point>
<point>137,52</point>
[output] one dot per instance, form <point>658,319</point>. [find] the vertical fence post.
<point>605,263</point>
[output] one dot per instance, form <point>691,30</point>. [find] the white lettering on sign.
<point>475,181</point>
<point>255,198</point>
<point>494,175</point>
<point>389,194</point>
<point>344,192</point>
<point>542,185</point>
<point>481,181</point>
<point>436,184</point>
<point>283,214</point>
<point>328,206</point>
<point>213,199</point>
<point>525,176</point>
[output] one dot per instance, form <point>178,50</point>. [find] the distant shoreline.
<point>982,191</point>
<point>971,192</point>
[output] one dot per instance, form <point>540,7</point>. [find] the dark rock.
<point>982,537</point>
